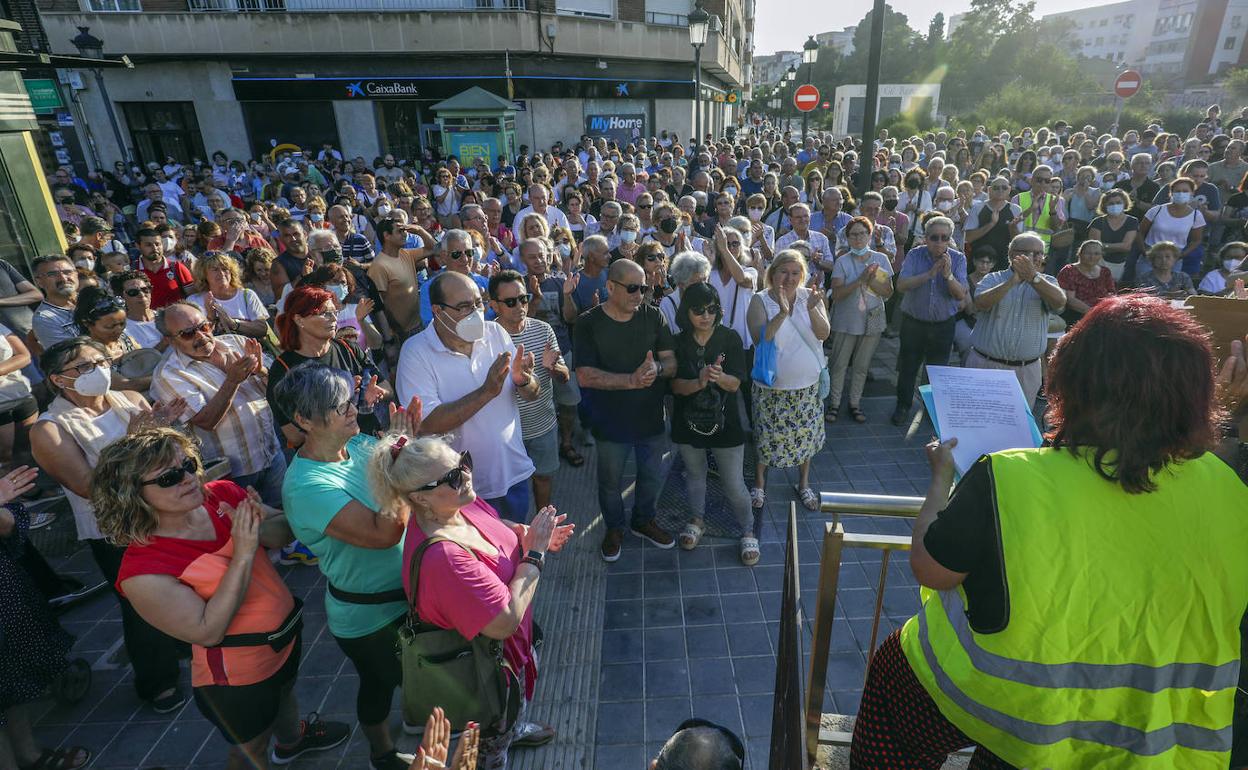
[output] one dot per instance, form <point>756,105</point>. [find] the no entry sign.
<point>1127,84</point>
<point>806,98</point>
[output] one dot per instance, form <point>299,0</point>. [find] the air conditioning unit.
<point>717,24</point>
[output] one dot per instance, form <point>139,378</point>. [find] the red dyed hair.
<point>302,301</point>
<point>1133,383</point>
<point>867,223</point>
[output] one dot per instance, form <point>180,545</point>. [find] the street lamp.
<point>789,77</point>
<point>699,25</point>
<point>91,47</point>
<point>810,52</point>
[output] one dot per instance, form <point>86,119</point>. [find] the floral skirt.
<point>788,425</point>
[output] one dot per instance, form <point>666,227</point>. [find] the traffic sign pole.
<point>1126,85</point>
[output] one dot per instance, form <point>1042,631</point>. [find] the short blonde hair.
<point>216,259</point>
<point>524,223</point>
<point>784,258</point>
<point>402,464</point>
<point>122,513</point>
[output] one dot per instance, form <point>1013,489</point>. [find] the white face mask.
<point>944,205</point>
<point>628,236</point>
<point>1181,197</point>
<point>1231,265</point>
<point>170,243</point>
<point>471,327</point>
<point>731,190</point>
<point>382,209</point>
<point>565,250</point>
<point>87,263</point>
<point>93,383</point>
<point>756,214</point>
<point>1115,209</point>
<point>316,217</point>
<point>339,290</point>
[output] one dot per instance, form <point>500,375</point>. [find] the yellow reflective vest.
<point>1121,645</point>
<point>1043,224</point>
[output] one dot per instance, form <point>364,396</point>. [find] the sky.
<point>775,28</point>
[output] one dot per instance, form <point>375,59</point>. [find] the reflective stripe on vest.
<point>1042,224</point>
<point>1121,642</point>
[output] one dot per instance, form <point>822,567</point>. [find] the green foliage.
<point>1236,84</point>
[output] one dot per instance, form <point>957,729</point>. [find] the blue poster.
<point>471,145</point>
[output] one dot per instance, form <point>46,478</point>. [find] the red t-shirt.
<point>1087,290</point>
<point>201,564</point>
<point>167,283</point>
<point>463,593</point>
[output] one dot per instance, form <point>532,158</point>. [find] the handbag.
<point>825,377</point>
<point>703,411</point>
<point>468,678</point>
<point>764,369</point>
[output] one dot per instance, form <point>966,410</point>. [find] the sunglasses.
<point>458,255</point>
<point>938,238</point>
<point>645,205</point>
<point>654,258</point>
<point>705,310</point>
<point>191,331</point>
<point>454,478</point>
<point>519,299</point>
<point>631,288</point>
<point>138,292</point>
<point>173,477</point>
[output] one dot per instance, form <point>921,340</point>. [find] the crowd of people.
<point>377,369</point>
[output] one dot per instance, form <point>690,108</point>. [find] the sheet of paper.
<point>983,409</point>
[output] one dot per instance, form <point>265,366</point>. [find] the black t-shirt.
<point>604,343</point>
<point>1141,197</point>
<point>1109,235</point>
<point>998,237</point>
<point>690,358</point>
<point>342,354</point>
<point>19,317</point>
<point>966,537</point>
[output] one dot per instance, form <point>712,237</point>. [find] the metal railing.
<point>315,6</point>
<point>835,541</point>
<point>787,751</point>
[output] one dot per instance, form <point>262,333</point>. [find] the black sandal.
<point>569,453</point>
<point>831,414</point>
<point>857,414</point>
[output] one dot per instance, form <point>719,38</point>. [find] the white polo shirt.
<point>429,369</point>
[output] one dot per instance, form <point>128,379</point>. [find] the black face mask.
<point>669,225</point>
<point>912,184</point>
<point>891,204</point>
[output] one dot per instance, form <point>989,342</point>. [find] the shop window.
<point>163,129</point>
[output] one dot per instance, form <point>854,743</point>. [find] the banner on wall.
<point>623,128</point>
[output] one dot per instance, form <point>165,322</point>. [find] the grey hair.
<point>946,221</point>
<point>419,461</point>
<point>459,235</point>
<point>613,206</point>
<point>317,240</point>
<point>742,225</point>
<point>598,242</point>
<point>1030,235</point>
<point>162,324</point>
<point>469,209</point>
<point>313,390</point>
<point>687,265</point>
<point>629,222</point>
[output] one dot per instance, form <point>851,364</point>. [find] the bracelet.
<point>534,562</point>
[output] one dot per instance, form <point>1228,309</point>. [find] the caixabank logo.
<point>381,88</point>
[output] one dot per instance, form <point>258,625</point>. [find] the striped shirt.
<point>537,417</point>
<point>245,434</point>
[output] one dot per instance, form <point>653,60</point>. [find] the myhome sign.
<point>622,128</point>
<point>376,88</point>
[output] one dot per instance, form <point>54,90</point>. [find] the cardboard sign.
<point>1224,317</point>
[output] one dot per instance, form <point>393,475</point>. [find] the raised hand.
<point>241,367</point>
<point>570,285</point>
<point>245,530</point>
<point>436,743</point>
<point>537,537</point>
<point>550,356</point>
<point>497,376</point>
<point>17,482</point>
<point>406,420</point>
<point>644,375</point>
<point>364,308</point>
<point>521,367</point>
<point>373,392</point>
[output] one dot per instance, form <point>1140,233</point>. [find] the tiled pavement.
<point>633,648</point>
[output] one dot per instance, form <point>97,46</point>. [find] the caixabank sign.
<point>436,88</point>
<point>621,128</point>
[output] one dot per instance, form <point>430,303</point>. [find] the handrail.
<point>835,540</point>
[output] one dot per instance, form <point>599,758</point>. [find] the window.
<point>1104,22</point>
<point>601,9</point>
<point>1235,22</point>
<point>114,6</point>
<point>1229,43</point>
<point>1100,41</point>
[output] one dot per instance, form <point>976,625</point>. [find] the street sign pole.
<point>867,154</point>
<point>1117,114</point>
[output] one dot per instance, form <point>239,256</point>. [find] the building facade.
<point>244,76</point>
<point>839,40</point>
<point>1118,32</point>
<point>770,68</point>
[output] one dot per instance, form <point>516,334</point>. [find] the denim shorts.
<point>544,452</point>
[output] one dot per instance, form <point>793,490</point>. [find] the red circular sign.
<point>1128,84</point>
<point>827,105</point>
<point>806,98</point>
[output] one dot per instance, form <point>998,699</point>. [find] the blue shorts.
<point>544,452</point>
<point>513,506</point>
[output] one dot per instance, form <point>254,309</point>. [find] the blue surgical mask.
<point>1181,197</point>
<point>339,290</point>
<point>628,236</point>
<point>859,252</point>
<point>316,217</point>
<point>1115,209</point>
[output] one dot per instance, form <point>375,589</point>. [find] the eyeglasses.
<point>938,238</point>
<point>106,305</point>
<point>999,188</point>
<point>458,255</point>
<point>86,367</point>
<point>705,310</point>
<point>463,307</point>
<point>139,291</point>
<point>645,205</point>
<point>631,288</point>
<point>204,327</point>
<point>346,406</point>
<point>454,478</point>
<point>173,477</point>
<point>328,315</point>
<point>654,257</point>
<point>519,299</point>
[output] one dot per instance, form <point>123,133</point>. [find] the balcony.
<point>241,28</point>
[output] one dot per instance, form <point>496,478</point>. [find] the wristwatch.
<point>1036,278</point>
<point>536,558</point>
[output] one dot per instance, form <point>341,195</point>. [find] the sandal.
<point>758,498</point>
<point>569,453</point>
<point>749,550</point>
<point>690,536</point>
<point>832,413</point>
<point>69,758</point>
<point>810,500</point>
<point>857,414</point>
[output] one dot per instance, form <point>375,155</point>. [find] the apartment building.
<point>243,76</point>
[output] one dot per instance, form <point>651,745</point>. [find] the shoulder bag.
<point>764,370</point>
<point>468,678</point>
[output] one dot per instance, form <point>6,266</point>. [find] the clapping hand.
<point>372,391</point>
<point>436,744</point>
<point>550,356</point>
<point>1232,379</point>
<point>868,274</point>
<point>241,367</point>
<point>245,530</point>
<point>364,308</point>
<point>406,421</point>
<point>570,285</point>
<point>562,533</point>
<point>522,367</point>
<point>497,375</point>
<point>644,375</point>
<point>16,483</point>
<point>782,301</point>
<point>1023,267</point>
<point>537,537</point>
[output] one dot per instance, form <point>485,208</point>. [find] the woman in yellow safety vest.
<point>1082,601</point>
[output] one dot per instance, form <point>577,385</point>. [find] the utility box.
<point>477,124</point>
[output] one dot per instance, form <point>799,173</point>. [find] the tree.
<point>1236,84</point>
<point>936,30</point>
<point>897,64</point>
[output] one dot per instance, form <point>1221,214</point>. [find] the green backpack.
<point>469,679</point>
